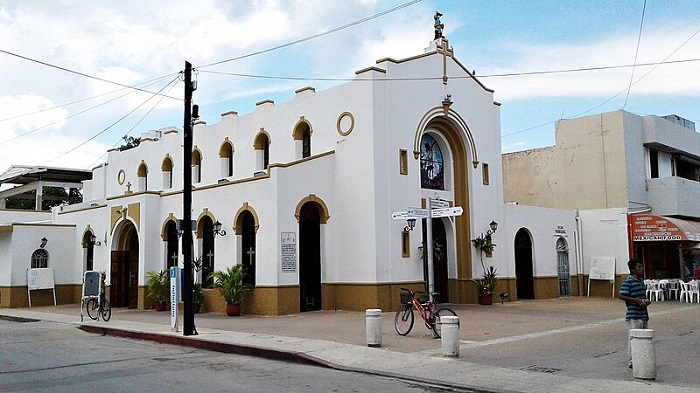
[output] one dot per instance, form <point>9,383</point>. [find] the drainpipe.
<point>579,253</point>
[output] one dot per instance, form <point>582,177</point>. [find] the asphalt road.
<point>52,357</point>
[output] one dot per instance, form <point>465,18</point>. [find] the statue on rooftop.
<point>438,25</point>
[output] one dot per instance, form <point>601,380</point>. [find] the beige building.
<point>609,167</point>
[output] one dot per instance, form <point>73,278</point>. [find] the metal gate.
<point>563,268</point>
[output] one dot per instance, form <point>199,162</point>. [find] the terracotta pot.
<point>486,300</point>
<point>159,306</point>
<point>233,310</point>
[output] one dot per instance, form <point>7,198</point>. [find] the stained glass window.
<point>432,174</point>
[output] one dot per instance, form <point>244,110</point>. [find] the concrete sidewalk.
<point>573,344</point>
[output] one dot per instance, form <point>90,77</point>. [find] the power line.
<point>145,84</point>
<point>311,37</point>
<point>481,76</point>
<point>76,114</point>
<point>79,73</point>
<point>656,65</point>
<point>636,53</point>
<point>172,82</point>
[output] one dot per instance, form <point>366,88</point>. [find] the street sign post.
<point>435,209</point>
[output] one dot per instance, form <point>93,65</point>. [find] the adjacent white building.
<point>634,181</point>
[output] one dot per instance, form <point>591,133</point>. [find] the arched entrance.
<point>310,258</point>
<point>563,268</point>
<point>248,247</point>
<point>523,265</point>
<point>172,244</point>
<point>124,272</point>
<point>89,250</point>
<point>440,274</point>
<point>207,251</point>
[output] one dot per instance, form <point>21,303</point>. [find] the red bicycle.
<point>404,319</point>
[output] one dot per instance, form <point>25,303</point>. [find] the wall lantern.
<point>411,223</point>
<point>218,230</point>
<point>94,240</point>
<point>43,242</point>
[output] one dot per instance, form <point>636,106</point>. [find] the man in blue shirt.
<point>633,292</point>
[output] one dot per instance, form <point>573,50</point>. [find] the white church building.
<point>304,192</point>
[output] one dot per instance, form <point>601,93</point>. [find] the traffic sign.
<point>447,212</point>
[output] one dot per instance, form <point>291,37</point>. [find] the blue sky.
<point>134,42</point>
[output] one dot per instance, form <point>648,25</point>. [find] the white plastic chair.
<point>673,288</point>
<point>685,292</point>
<point>647,286</point>
<point>655,291</point>
<point>694,290</point>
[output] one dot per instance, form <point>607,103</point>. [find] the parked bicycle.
<point>99,306</point>
<point>404,319</point>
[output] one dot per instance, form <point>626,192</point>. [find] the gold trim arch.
<point>89,230</point>
<point>258,142</point>
<point>226,142</point>
<point>238,225</point>
<point>452,117</point>
<point>298,133</point>
<point>163,228</point>
<point>323,209</point>
<point>458,137</point>
<point>199,233</point>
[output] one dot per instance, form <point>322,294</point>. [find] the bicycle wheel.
<point>91,307</point>
<point>437,325</point>
<point>106,311</point>
<point>403,321</point>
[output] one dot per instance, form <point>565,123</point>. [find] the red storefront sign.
<point>653,228</point>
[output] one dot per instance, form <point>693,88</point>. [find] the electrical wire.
<point>134,126</point>
<point>664,61</point>
<point>311,37</point>
<point>74,114</point>
<point>636,53</point>
<point>79,73</point>
<point>484,76</point>
<point>144,84</point>
<point>172,82</point>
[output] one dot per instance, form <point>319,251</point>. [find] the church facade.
<point>304,192</point>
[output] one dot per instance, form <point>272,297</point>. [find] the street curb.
<point>285,356</point>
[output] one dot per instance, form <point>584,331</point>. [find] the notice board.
<point>40,278</point>
<point>602,268</point>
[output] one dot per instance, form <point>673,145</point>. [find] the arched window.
<point>196,166</point>
<point>167,168</point>
<point>432,170</point>
<point>262,150</point>
<point>142,174</point>
<point>226,156</point>
<point>40,259</point>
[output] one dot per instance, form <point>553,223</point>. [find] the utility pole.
<point>188,317</point>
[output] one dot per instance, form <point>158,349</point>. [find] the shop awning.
<point>652,228</point>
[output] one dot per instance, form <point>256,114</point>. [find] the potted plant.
<point>197,298</point>
<point>483,244</point>
<point>230,283</point>
<point>158,285</point>
<point>486,286</point>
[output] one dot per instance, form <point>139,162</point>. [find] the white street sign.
<point>418,213</point>
<point>400,215</point>
<point>439,204</point>
<point>447,212</point>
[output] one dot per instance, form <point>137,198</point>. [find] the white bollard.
<point>450,336</point>
<point>373,317</point>
<point>643,354</point>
